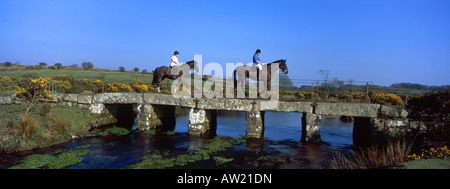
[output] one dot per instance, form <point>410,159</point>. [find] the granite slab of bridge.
<point>157,111</point>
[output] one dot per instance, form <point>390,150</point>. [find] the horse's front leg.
<point>264,87</point>
<point>266,84</point>
<point>240,83</point>
<point>177,88</point>
<point>243,85</point>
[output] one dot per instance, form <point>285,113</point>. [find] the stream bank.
<point>45,124</point>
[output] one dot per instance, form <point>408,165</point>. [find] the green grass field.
<point>426,164</point>
<point>120,77</point>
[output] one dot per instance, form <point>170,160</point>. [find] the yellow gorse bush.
<point>37,88</point>
<point>432,153</point>
<point>118,87</point>
<point>98,81</point>
<point>347,97</point>
<point>300,95</point>
<point>305,95</point>
<point>86,84</point>
<point>61,76</point>
<point>143,88</point>
<point>374,97</point>
<point>139,86</point>
<point>10,79</point>
<point>62,85</point>
<point>98,85</point>
<point>286,92</point>
<point>359,95</point>
<point>385,98</point>
<point>10,83</point>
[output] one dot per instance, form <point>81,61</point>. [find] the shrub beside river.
<point>421,150</point>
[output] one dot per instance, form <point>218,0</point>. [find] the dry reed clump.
<point>26,130</point>
<point>58,127</point>
<point>373,157</point>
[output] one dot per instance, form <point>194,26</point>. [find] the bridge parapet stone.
<point>393,112</point>
<point>226,104</point>
<point>212,104</point>
<point>70,97</point>
<point>253,105</point>
<point>304,107</point>
<point>5,100</point>
<point>118,98</point>
<point>165,99</point>
<point>58,97</point>
<point>348,109</point>
<point>84,99</point>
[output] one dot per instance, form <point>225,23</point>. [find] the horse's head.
<point>282,64</point>
<point>196,67</point>
<point>193,65</point>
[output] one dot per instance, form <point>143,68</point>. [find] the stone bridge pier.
<point>255,124</point>
<point>311,127</point>
<point>202,122</point>
<point>155,117</point>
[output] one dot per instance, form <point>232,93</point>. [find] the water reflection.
<point>336,132</point>
<point>231,123</point>
<point>283,126</point>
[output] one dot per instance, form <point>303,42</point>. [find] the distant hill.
<point>415,86</point>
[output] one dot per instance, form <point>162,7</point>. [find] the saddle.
<point>257,71</point>
<point>177,68</point>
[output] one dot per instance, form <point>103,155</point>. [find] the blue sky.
<point>384,41</point>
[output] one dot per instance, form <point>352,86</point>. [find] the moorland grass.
<point>120,77</point>
<point>44,125</point>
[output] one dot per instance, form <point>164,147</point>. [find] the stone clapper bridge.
<point>157,111</point>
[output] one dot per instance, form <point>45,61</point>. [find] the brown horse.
<point>250,72</point>
<point>164,72</point>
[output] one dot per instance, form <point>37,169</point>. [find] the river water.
<point>282,136</point>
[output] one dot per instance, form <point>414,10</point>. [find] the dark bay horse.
<point>164,72</point>
<point>246,71</point>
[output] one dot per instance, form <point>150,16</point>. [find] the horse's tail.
<point>155,77</point>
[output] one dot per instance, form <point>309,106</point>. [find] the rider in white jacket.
<point>174,59</point>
